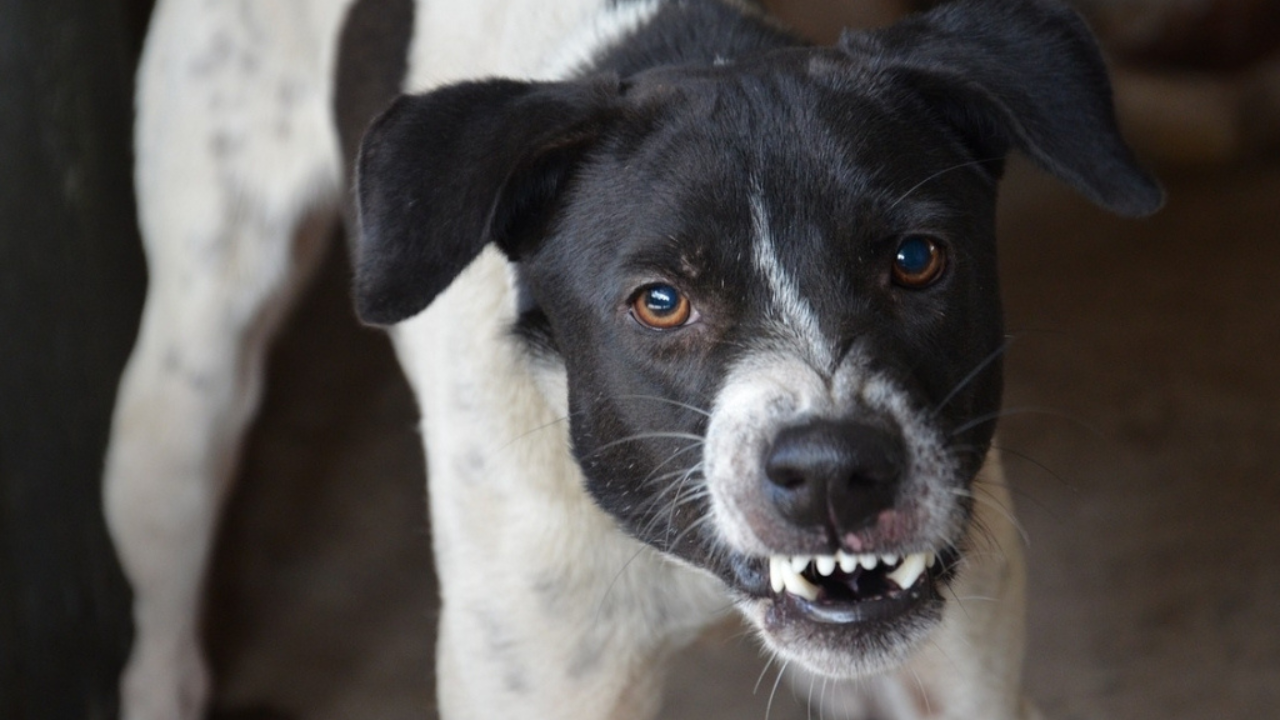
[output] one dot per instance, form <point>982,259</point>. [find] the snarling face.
<point>781,339</point>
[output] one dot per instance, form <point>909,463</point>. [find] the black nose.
<point>834,474</point>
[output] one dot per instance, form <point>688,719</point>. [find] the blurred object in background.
<point>71,287</point>
<point>1196,35</point>
<point>1197,81</point>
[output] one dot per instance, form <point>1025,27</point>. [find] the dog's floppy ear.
<point>1020,73</point>
<point>443,174</point>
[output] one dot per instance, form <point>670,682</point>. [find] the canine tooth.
<point>800,562</point>
<point>930,559</point>
<point>777,568</point>
<point>826,564</point>
<point>797,585</point>
<point>868,562</point>
<point>910,571</point>
<point>889,559</point>
<point>848,563</point>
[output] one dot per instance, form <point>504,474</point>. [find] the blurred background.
<point>1143,455</point>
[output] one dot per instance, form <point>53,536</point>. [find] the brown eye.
<point>661,307</point>
<point>919,262</point>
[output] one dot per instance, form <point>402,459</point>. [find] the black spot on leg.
<point>213,59</point>
<point>224,145</point>
<point>502,651</point>
<point>172,365</point>
<point>549,590</point>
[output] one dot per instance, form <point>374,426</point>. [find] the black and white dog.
<point>696,315</point>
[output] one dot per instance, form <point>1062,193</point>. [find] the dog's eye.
<point>919,262</point>
<point>661,307</point>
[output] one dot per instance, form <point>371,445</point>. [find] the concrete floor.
<point>1143,458</point>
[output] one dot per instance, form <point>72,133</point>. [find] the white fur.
<point>791,309</point>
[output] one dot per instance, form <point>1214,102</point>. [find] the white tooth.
<point>889,559</point>
<point>797,585</point>
<point>848,563</point>
<point>826,564</point>
<point>777,568</point>
<point>799,563</point>
<point>930,559</point>
<point>912,567</point>
<point>868,562</point>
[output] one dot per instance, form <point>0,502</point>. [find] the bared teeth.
<point>786,571</point>
<point>909,571</point>
<point>777,567</point>
<point>848,563</point>
<point>825,564</point>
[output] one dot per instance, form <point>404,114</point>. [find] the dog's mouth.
<point>850,588</point>
<point>849,591</point>
<point>846,614</point>
<point>847,588</point>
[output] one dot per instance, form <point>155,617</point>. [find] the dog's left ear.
<point>1020,73</point>
<point>443,174</point>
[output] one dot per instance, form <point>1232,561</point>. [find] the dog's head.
<point>771,283</point>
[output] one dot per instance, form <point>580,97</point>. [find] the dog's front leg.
<point>548,610</point>
<point>237,176</point>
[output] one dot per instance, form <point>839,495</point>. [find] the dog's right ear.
<point>443,174</point>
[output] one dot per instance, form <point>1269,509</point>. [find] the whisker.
<point>936,175</point>
<point>808,702</point>
<point>669,401</point>
<point>990,502</point>
<point>768,710</point>
<point>1030,410</point>
<point>652,436</point>
<point>928,709</point>
<point>617,576</point>
<point>973,374</point>
<point>537,429</point>
<point>764,671</point>
<point>1037,463</point>
<point>673,456</point>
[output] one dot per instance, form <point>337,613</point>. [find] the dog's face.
<point>772,287</point>
<point>776,303</point>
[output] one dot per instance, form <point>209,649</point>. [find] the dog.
<point>696,314</point>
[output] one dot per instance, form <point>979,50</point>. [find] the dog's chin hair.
<point>805,647</point>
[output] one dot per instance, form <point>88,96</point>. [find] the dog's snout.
<point>834,474</point>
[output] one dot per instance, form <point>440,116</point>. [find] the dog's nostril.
<point>828,471</point>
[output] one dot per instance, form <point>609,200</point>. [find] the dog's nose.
<point>833,473</point>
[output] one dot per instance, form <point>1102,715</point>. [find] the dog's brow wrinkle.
<point>793,309</point>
